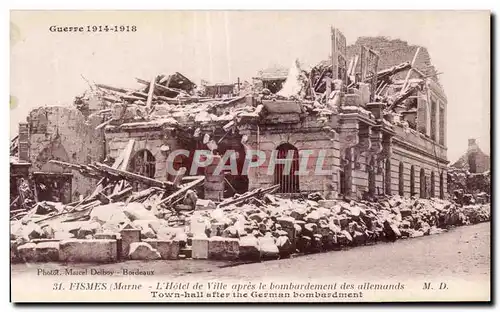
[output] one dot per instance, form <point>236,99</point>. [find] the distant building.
<point>474,160</point>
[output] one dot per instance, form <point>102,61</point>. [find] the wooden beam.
<point>151,92</point>
<point>127,154</point>
<point>134,177</point>
<point>104,124</point>
<point>249,195</point>
<point>409,72</point>
<point>103,86</point>
<point>178,177</point>
<point>183,189</point>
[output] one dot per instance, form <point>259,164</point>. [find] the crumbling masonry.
<point>377,119</point>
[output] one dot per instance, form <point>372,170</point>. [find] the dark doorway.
<point>54,187</point>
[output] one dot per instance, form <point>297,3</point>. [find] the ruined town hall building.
<point>375,113</point>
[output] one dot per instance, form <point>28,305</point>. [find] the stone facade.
<point>63,133</point>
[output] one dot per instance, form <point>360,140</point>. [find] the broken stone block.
<point>168,249</point>
<point>87,228</point>
<point>205,204</point>
<point>88,250</point>
<point>285,247</point>
<point>231,232</point>
<point>199,225</point>
<point>199,247</point>
<point>182,238</point>
<point>63,235</point>
<point>220,248</point>
<point>304,244</point>
<point>249,248</point>
<point>217,229</point>
<point>109,214</point>
<point>298,213</point>
<point>329,240</point>
<point>405,212</point>
<point>327,203</point>
<point>286,222</point>
<point>137,211</point>
<point>313,217</point>
<point>107,235</point>
<point>259,217</point>
<point>129,236</point>
<point>27,252</point>
<point>391,230</point>
<point>359,238</point>
<point>414,234</point>
<point>32,231</point>
<point>48,231</point>
<point>47,251</point>
<point>310,229</point>
<point>146,230</point>
<point>143,251</point>
<point>14,256</point>
<point>268,248</point>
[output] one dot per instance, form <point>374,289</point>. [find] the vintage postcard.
<point>250,156</point>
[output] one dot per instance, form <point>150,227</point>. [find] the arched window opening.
<point>401,179</point>
<point>143,163</point>
<point>288,180</point>
<point>423,183</point>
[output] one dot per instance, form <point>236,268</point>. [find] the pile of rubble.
<point>469,188</point>
<point>252,226</point>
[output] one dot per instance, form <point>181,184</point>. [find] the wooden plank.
<point>134,177</point>
<point>178,177</point>
<point>127,154</point>
<point>163,88</point>
<point>151,92</point>
<point>104,124</point>
<point>249,195</point>
<point>103,86</point>
<point>183,189</point>
<point>409,72</point>
<point>120,195</point>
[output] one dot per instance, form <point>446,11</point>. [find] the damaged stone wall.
<point>144,139</point>
<point>303,136</point>
<point>394,52</point>
<point>63,133</point>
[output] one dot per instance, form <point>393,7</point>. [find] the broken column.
<point>214,184</point>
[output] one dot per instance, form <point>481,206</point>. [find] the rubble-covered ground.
<point>469,188</point>
<point>259,227</point>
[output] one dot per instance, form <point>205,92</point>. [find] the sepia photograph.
<point>250,156</point>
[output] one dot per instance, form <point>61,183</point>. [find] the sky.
<point>220,46</point>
